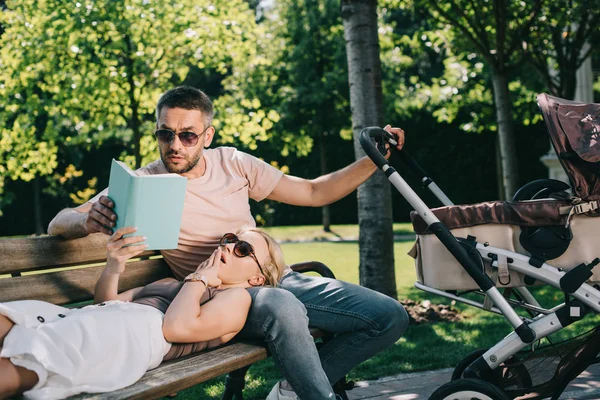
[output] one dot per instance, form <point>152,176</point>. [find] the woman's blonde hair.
<point>274,265</point>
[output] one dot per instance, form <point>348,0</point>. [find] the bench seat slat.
<point>71,286</point>
<point>182,373</point>
<point>35,253</point>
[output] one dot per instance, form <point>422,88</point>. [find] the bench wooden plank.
<point>182,373</point>
<point>44,252</point>
<point>176,375</point>
<point>77,285</point>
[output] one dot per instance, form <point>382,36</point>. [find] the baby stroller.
<point>547,234</point>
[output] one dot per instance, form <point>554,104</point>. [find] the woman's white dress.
<point>97,348</point>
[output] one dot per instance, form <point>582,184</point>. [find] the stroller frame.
<point>580,296</point>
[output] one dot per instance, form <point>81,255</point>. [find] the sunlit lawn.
<point>316,232</point>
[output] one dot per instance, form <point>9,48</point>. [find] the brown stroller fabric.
<point>522,213</point>
<point>574,130</point>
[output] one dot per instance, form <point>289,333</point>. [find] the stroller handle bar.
<point>456,248</point>
<point>369,147</point>
<point>374,153</point>
<point>425,179</point>
<point>393,176</point>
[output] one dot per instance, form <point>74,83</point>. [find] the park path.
<point>420,385</point>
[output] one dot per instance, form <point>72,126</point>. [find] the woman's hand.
<point>107,287</point>
<point>210,268</point>
<point>218,320</point>
<point>121,249</point>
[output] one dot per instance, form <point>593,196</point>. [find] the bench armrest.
<point>313,266</point>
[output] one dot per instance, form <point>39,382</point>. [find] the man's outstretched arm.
<point>328,188</point>
<point>72,223</point>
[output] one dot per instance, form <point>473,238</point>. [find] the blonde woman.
<point>51,352</point>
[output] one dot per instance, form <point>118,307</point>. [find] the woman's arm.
<point>118,252</point>
<point>220,318</point>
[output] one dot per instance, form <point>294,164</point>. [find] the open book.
<point>152,203</point>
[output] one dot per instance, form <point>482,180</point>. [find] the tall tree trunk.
<point>374,196</point>
<point>506,141</point>
<point>37,206</point>
<point>325,215</point>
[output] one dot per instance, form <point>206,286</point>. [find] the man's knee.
<point>393,319</point>
<point>279,312</point>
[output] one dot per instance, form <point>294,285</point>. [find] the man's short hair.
<point>188,98</point>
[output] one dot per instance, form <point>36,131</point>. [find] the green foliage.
<point>278,85</point>
<point>294,93</point>
<point>298,83</point>
<point>562,38</point>
<point>431,67</point>
<point>494,29</point>
<point>79,74</point>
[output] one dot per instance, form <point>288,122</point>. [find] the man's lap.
<point>332,305</point>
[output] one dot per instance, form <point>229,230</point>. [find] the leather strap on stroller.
<point>500,274</point>
<point>580,208</point>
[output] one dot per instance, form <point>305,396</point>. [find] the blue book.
<point>152,203</point>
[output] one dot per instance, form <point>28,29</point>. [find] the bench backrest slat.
<point>37,253</point>
<point>76,285</point>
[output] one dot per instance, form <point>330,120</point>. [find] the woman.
<point>47,351</point>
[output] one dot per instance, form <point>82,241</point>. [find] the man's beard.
<point>183,169</point>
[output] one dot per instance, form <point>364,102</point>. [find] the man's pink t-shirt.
<point>216,203</point>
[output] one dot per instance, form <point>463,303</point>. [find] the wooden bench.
<point>64,272</point>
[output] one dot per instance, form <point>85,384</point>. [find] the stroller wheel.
<point>509,374</point>
<point>468,389</point>
<point>540,189</point>
<point>465,362</point>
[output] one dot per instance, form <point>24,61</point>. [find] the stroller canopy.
<point>574,130</point>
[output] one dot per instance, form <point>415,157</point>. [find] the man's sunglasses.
<point>188,139</point>
<point>241,248</point>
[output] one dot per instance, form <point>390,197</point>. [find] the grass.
<point>424,347</point>
<point>316,232</point>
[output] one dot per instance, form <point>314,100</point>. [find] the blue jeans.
<point>364,322</point>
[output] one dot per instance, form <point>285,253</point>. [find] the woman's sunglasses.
<point>188,139</point>
<point>241,248</point>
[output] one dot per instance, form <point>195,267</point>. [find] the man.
<point>220,182</point>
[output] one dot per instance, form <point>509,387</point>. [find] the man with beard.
<point>220,183</point>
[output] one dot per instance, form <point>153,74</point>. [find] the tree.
<point>314,55</point>
<point>495,30</point>
<point>28,147</point>
<point>300,79</point>
<point>374,196</point>
<point>557,47</point>
<point>76,74</point>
